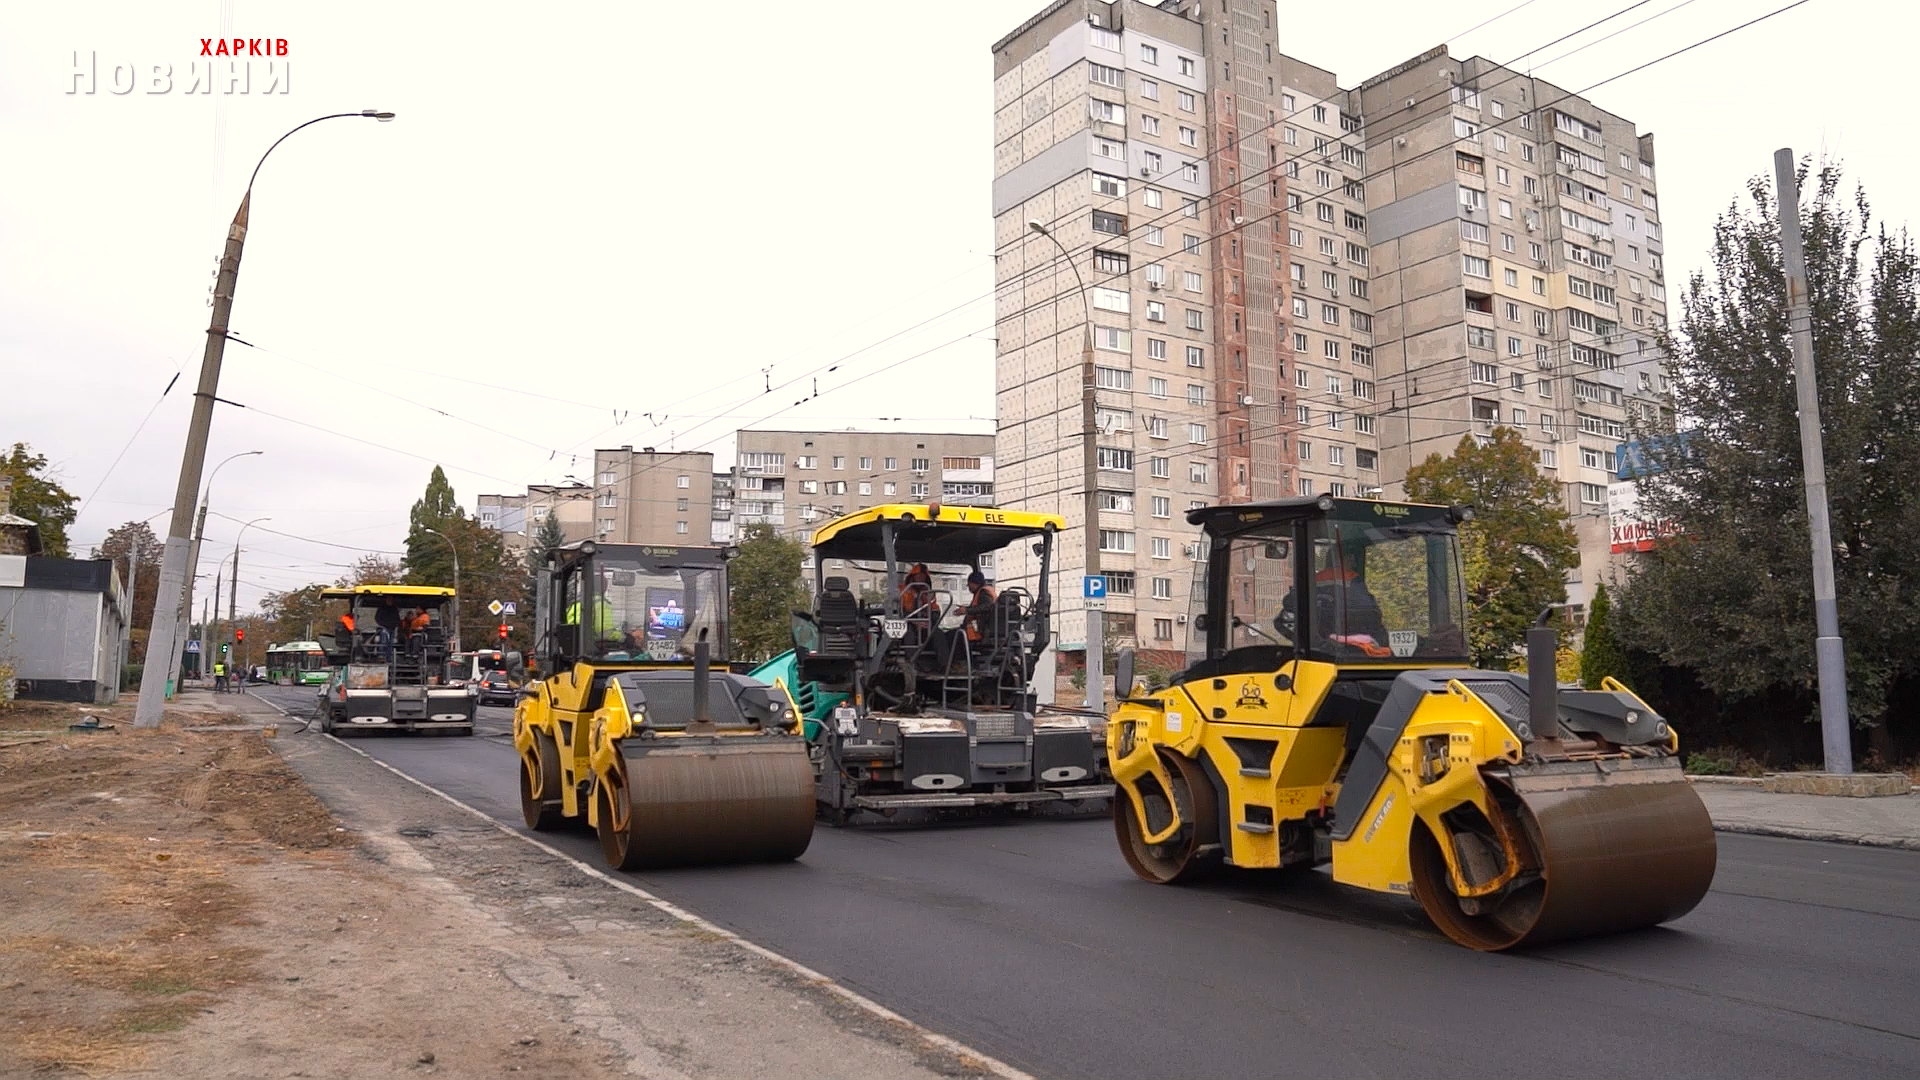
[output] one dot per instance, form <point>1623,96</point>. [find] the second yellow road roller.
<point>1328,715</point>
<point>636,727</point>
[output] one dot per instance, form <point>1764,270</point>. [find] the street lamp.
<point>456,582</point>
<point>1089,425</point>
<point>233,588</point>
<point>173,563</point>
<point>185,623</point>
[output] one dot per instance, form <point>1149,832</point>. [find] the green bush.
<point>1702,765</point>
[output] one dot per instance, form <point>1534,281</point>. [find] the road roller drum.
<point>695,800</point>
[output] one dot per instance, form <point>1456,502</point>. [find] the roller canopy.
<point>959,534</point>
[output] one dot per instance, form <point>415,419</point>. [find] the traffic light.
<point>503,630</point>
<point>225,648</point>
<point>239,635</point>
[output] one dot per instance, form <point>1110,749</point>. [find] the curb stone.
<point>1904,843</point>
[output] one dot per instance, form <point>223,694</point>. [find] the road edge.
<point>1873,840</point>
<point>952,1046</point>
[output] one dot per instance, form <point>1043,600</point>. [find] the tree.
<point>1519,545</point>
<point>766,587</point>
<point>1600,651</point>
<point>39,498</point>
<point>295,615</point>
<point>119,546</point>
<point>429,559</point>
<point>545,539</point>
<point>1732,599</point>
<point>486,572</point>
<point>374,569</point>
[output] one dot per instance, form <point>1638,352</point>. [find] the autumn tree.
<point>39,498</point>
<point>440,529</point>
<point>1731,600</point>
<point>374,569</point>
<point>295,615</point>
<point>1520,542</point>
<point>120,546</point>
<point>766,587</point>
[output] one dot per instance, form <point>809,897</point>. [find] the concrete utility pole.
<point>133,600</point>
<point>1090,467</point>
<point>170,603</point>
<point>1829,658</point>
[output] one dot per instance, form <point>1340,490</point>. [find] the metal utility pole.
<point>1830,659</point>
<point>193,573</point>
<point>133,601</point>
<point>233,584</point>
<point>456,582</point>
<point>1090,469</point>
<point>169,604</point>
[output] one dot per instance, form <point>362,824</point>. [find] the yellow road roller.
<point>1328,714</point>
<point>638,729</point>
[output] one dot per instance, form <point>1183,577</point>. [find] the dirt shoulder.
<point>182,904</point>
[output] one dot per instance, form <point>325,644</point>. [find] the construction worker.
<point>603,624</point>
<point>387,618</point>
<point>219,676</point>
<point>916,592</point>
<point>980,609</point>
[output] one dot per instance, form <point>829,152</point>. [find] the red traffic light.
<point>503,629</point>
<point>239,635</point>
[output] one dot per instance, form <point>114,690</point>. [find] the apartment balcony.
<point>762,470</point>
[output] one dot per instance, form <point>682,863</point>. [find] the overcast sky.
<point>590,212</point>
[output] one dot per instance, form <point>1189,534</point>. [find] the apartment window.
<point>1324,211</point>
<point>1335,384</point>
<point>1197,472</point>
<point>1517,381</point>
<point>1189,243</point>
<point>1480,337</point>
<point>1116,540</point>
<point>1159,468</point>
<point>1301,378</point>
<point>1188,136</point>
<point>1306,486</point>
<point>606,525</point>
<point>1186,100</point>
<point>1467,163</point>
<point>1326,245</point>
<point>1149,54</point>
<point>1593,494</point>
<point>1535,252</point>
<point>889,488</point>
<point>1539,286</point>
<point>1362,354</point>
<point>1330,314</point>
<point>1486,373</point>
<point>1156,427</point>
<point>1119,582</point>
<point>1156,347</point>
<point>1152,195</point>
<point>1363,424</point>
<point>1196,356</point>
<point>1464,130</point>
<point>1366,459</point>
<point>1306,450</point>
<point>1161,547</point>
<point>866,487</point>
<point>1196,394</point>
<point>1331,349</point>
<point>1196,320</point>
<point>1475,266</point>
<point>1299,342</point>
<point>1506,209</point>
<point>866,463</point>
<point>1111,457</point>
<point>1304,414</point>
<point>1357,287</point>
<point>1162,506</point>
<point>892,463</point>
<point>1105,76</point>
<point>1186,65</point>
<point>1548,459</point>
<point>1162,590</point>
<point>1473,198</point>
<point>1196,433</point>
<point>1162,628</point>
<point>1513,311</point>
<point>1513,346</point>
<point>1112,224</point>
<point>1511,277</point>
<point>809,487</point>
<point>1544,387</point>
<point>1110,299</point>
<point>1500,174</point>
<point>606,476</point>
<point>1473,231</point>
<point>1108,378</point>
<point>1149,89</point>
<point>1336,455</point>
<point>1542,323</point>
<point>1116,500</point>
<point>1191,280</point>
<point>606,498</point>
<point>1114,338</point>
<point>1154,235</point>
<point>1156,387</point>
<point>918,464</point>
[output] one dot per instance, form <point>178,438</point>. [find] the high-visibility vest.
<point>219,669</point>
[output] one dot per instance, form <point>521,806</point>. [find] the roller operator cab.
<point>1328,714</point>
<point>637,729</point>
<point>923,696</point>
<point>387,652</point>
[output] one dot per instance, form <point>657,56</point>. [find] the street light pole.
<point>167,609</point>
<point>233,585</point>
<point>193,572</point>
<point>1090,466</point>
<point>456,582</point>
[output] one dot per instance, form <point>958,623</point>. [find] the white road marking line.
<point>952,1046</point>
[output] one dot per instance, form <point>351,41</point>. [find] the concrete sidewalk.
<point>1886,821</point>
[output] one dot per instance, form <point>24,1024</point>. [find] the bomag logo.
<point>1250,696</point>
<point>1251,517</point>
<point>1389,510</point>
<point>659,551</point>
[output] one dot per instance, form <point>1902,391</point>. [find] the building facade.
<point>1137,136</point>
<point>638,497</point>
<point>1447,248</point>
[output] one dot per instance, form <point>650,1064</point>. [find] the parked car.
<point>496,689</point>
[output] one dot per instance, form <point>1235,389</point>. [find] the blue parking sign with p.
<point>1093,586</point>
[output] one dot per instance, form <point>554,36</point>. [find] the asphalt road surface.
<point>1031,941</point>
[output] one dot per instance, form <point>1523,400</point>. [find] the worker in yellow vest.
<point>219,676</point>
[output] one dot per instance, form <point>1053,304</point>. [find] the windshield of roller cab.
<point>1381,593</point>
<point>657,611</point>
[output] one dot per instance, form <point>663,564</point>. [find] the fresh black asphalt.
<point>1031,941</point>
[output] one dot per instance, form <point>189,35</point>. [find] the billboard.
<point>1627,529</point>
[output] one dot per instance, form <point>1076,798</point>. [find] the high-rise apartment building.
<point>1136,135</point>
<point>637,497</point>
<point>1297,288</point>
<point>1517,276</point>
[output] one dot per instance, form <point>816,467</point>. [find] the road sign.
<point>509,608</point>
<point>496,607</point>
<point>1093,589</point>
<point>193,646</point>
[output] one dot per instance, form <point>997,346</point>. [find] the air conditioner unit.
<point>1146,172</point>
<point>1155,286</point>
<point>1400,141</point>
<point>1180,620</point>
<point>1411,102</point>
